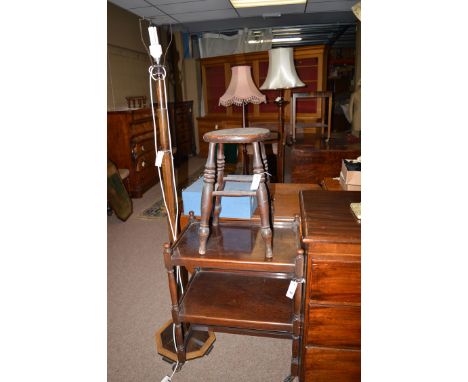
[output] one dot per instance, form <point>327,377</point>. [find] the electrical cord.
<point>153,75</point>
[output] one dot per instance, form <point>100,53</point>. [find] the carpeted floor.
<point>139,304</point>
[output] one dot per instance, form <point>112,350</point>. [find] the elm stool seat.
<point>250,135</point>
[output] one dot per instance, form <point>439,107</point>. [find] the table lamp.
<point>241,91</point>
<point>281,75</point>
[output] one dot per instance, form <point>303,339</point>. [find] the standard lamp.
<point>241,91</point>
<point>281,75</point>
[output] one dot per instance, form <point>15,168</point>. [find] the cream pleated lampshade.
<point>281,70</point>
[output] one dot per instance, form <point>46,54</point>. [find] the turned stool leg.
<point>263,205</point>
<point>207,199</point>
<point>220,181</point>
<point>264,160</point>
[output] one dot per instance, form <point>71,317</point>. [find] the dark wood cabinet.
<point>181,121</point>
<point>332,306</point>
<point>130,142</point>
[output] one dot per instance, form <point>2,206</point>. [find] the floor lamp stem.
<point>244,146</point>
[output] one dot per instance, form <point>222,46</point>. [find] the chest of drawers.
<point>130,142</point>
<point>130,145</point>
<point>332,306</point>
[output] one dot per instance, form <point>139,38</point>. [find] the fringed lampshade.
<point>241,89</point>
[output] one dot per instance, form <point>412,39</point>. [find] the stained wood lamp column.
<point>199,342</point>
<point>281,75</point>
<point>242,91</point>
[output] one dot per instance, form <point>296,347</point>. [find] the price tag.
<point>166,379</point>
<point>255,182</point>
<point>291,289</point>
<point>159,158</point>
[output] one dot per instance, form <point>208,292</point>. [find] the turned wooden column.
<point>166,167</point>
<point>263,202</point>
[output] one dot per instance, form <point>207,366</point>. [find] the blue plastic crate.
<point>241,207</point>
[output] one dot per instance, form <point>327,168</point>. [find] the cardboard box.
<point>350,177</point>
<point>349,187</point>
<point>240,207</point>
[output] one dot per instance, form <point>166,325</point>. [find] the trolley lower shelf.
<point>243,299</point>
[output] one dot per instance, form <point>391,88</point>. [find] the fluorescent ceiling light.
<point>286,30</point>
<point>286,39</point>
<point>263,3</point>
<point>257,41</point>
<point>286,33</point>
<point>281,39</point>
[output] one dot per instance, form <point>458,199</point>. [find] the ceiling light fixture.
<point>286,33</point>
<point>286,30</point>
<point>263,3</point>
<point>286,39</point>
<point>280,39</point>
<point>257,41</point>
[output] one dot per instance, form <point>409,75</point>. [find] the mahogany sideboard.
<point>332,301</point>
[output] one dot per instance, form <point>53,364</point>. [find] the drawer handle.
<point>143,164</point>
<point>142,148</point>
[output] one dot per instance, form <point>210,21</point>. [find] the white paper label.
<point>159,158</point>
<point>255,182</point>
<point>166,379</point>
<point>291,289</point>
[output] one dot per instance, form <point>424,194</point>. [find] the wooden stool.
<point>254,136</point>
